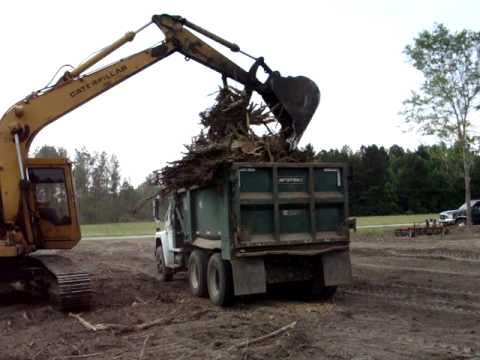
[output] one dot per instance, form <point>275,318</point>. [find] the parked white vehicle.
<point>459,216</point>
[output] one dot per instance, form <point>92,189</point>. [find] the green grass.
<point>119,229</point>
<point>148,228</point>
<point>394,219</point>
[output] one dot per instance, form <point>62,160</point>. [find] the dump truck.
<point>258,224</point>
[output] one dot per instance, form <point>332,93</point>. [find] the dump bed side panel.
<point>205,216</point>
<point>207,209</point>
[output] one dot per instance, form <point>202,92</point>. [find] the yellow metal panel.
<point>8,251</point>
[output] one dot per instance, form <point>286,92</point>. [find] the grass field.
<point>119,229</point>
<point>148,228</point>
<point>394,219</point>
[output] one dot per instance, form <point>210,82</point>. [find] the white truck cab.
<point>169,257</point>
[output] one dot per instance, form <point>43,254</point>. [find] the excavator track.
<point>69,286</point>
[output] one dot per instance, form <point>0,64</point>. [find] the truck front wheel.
<point>197,272</point>
<point>220,281</point>
<point>165,273</point>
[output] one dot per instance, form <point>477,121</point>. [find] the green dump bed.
<point>271,208</point>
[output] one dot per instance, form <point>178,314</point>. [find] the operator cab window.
<point>51,195</point>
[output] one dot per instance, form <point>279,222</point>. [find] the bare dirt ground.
<point>411,299</point>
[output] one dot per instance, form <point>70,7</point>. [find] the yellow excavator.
<point>38,208</point>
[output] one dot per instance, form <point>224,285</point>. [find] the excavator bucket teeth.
<point>293,101</point>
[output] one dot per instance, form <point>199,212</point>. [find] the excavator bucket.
<point>293,101</point>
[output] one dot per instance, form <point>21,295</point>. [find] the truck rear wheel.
<point>197,272</point>
<point>329,292</point>
<point>323,292</point>
<point>220,281</point>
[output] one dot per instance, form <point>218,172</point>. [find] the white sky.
<point>351,49</point>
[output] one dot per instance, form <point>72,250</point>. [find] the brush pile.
<point>227,137</point>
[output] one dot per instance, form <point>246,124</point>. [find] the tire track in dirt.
<point>438,254</point>
<point>413,300</point>
<point>447,254</point>
<point>411,346</point>
<point>436,347</point>
<point>415,269</point>
<point>437,290</point>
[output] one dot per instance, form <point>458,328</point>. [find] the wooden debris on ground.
<point>273,334</point>
<point>142,351</point>
<point>119,328</point>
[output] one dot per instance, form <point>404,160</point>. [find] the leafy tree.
<point>127,200</point>
<point>81,171</point>
<point>47,151</point>
<point>309,152</point>
<point>371,181</point>
<point>114,184</point>
<point>114,187</point>
<point>82,165</point>
<point>449,94</point>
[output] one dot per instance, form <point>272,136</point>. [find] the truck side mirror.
<point>352,223</point>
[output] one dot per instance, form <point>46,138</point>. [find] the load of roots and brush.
<point>228,136</point>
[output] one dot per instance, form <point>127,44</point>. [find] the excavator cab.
<point>51,197</point>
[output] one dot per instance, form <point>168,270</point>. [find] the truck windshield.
<point>51,195</point>
<point>464,206</point>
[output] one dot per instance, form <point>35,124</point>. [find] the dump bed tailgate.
<point>290,207</point>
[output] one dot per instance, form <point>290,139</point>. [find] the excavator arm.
<point>292,100</point>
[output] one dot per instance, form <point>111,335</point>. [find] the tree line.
<point>387,181</point>
<point>383,181</point>
<point>103,195</point>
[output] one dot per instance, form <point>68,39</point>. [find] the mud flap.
<point>337,269</point>
<point>249,276</point>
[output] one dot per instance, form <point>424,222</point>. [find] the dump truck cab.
<point>169,250</point>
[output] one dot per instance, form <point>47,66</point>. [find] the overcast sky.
<point>352,49</point>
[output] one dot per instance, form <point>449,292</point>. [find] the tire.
<point>461,222</point>
<point>220,281</point>
<point>197,272</point>
<point>165,273</point>
<point>315,290</point>
<point>326,293</point>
